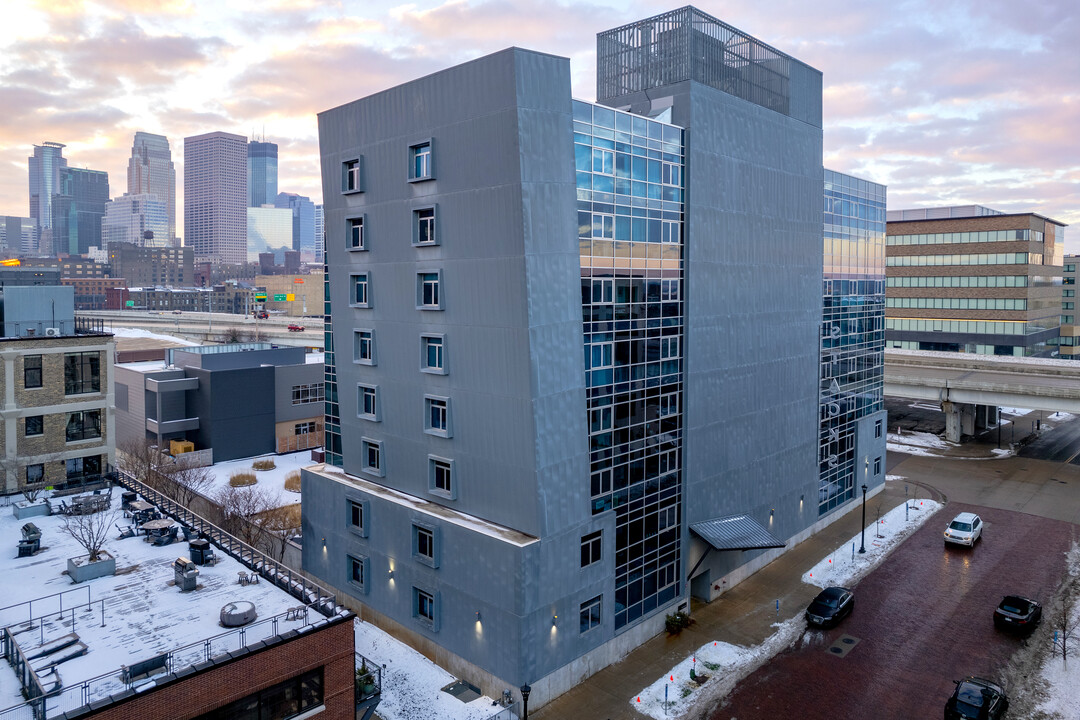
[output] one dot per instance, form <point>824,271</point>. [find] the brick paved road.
<point>923,619</point>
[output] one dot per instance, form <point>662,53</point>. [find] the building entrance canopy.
<point>735,532</point>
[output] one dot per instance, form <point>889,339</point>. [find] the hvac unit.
<point>52,332</point>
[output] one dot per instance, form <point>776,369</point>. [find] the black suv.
<point>976,699</point>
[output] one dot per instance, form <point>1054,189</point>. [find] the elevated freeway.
<point>971,387</point>
<point>202,328</point>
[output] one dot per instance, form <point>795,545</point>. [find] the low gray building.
<point>239,400</point>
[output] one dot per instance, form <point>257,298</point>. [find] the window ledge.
<point>351,192</point>
<point>433,371</point>
<point>84,441</point>
<point>421,179</point>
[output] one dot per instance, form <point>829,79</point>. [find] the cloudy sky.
<point>945,101</point>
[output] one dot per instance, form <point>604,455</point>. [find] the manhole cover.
<point>843,645</point>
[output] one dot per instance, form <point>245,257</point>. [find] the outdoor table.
<point>139,506</point>
<point>157,527</point>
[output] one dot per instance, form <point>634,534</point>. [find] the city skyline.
<point>944,106</point>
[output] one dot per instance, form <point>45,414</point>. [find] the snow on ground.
<point>140,333</point>
<point>1061,416</point>
<point>727,664</point>
<point>144,614</point>
<point>411,684</point>
<point>1061,696</point>
<point>273,481</point>
<point>917,443</point>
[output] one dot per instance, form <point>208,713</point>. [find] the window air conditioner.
<point>52,332</point>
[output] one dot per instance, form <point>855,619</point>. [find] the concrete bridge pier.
<point>967,418</point>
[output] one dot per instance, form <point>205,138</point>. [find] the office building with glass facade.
<point>141,220</point>
<point>1069,344</point>
<point>971,279</point>
<point>262,166</point>
<point>215,197</point>
<point>569,382</point>
<point>78,209</point>
<point>44,171</point>
<point>303,223</point>
<point>151,172</point>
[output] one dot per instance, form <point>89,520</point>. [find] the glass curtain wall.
<point>630,229</point>
<point>853,328</point>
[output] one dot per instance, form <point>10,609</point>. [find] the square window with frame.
<point>877,428</point>
<point>371,457</point>
<point>425,230</point>
<point>83,425</point>
<point>877,466</point>
<point>425,607</point>
<point>82,373</point>
<point>441,479</point>
<point>35,425</point>
<point>421,166</point>
<point>32,371</point>
<point>364,347</point>
<point>592,548</point>
<point>357,517</point>
<point>367,402</point>
<point>437,416</point>
<point>432,359</point>
<point>354,233</point>
<point>590,613</point>
<point>428,290</point>
<point>35,473</point>
<point>424,543</point>
<point>357,568</point>
<point>350,176</point>
<point>360,290</point>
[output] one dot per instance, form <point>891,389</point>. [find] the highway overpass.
<point>968,386</point>
<point>201,328</point>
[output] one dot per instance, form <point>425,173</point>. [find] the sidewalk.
<point>743,615</point>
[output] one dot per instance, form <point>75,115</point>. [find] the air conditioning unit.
<point>52,332</point>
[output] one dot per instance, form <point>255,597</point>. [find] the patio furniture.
<point>125,532</point>
<point>31,540</point>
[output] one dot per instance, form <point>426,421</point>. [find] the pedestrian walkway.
<point>744,615</point>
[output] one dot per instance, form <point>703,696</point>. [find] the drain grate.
<point>843,645</point>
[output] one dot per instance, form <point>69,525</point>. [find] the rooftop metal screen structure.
<point>687,44</point>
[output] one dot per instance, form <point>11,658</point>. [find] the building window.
<point>364,347</point>
<point>354,233</point>
<point>359,296</point>
<point>420,165</point>
<point>437,416</point>
<point>367,402</point>
<point>35,425</point>
<point>603,226</point>
<point>83,469</point>
<point>350,176</point>
<point>428,296</point>
<point>669,231</point>
<point>591,548</point>
<point>298,696</point>
<point>357,517</point>
<point>35,473</point>
<point>669,404</point>
<point>82,373</point>
<point>424,226</point>
<point>305,428</point>
<point>425,608</point>
<point>441,477</point>
<point>371,458</point>
<point>590,613</point>
<point>877,466</point>
<point>603,161</point>
<point>424,544</point>
<point>431,354</point>
<point>305,394</point>
<point>32,371</point>
<point>358,572</point>
<point>877,428</point>
<point>84,425</point>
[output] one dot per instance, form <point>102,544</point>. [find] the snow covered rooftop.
<point>135,615</point>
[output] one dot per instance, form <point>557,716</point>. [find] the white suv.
<point>964,529</point>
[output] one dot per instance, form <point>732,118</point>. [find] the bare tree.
<point>141,460</point>
<point>30,491</point>
<point>239,507</point>
<point>185,482</point>
<point>90,530</point>
<point>278,525</point>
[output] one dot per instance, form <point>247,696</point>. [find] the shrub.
<point>242,479</point>
<point>264,464</point>
<point>677,622</point>
<point>292,481</point>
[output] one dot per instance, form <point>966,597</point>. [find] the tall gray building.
<point>78,208</point>
<point>151,172</point>
<point>215,197</point>
<point>303,223</point>
<point>568,383</point>
<point>320,233</point>
<point>18,235</point>
<point>262,165</point>
<point>44,167</point>
<point>138,219</point>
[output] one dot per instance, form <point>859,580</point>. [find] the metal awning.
<point>735,532</point>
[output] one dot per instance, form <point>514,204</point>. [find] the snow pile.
<point>840,568</point>
<point>917,443</point>
<point>1060,416</point>
<point>723,664</point>
<point>271,481</point>
<point>139,333</point>
<point>411,684</point>
<point>1061,682</point>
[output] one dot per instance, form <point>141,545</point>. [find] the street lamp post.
<point>525,690</point>
<point>862,544</point>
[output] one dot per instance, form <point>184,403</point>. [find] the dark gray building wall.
<point>235,410</point>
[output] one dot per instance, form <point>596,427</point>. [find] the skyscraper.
<point>262,173</point>
<point>138,219</point>
<point>18,235</point>
<point>151,171</point>
<point>320,233</point>
<point>77,210</point>
<point>574,346</point>
<point>303,223</point>
<point>45,166</point>
<point>215,197</point>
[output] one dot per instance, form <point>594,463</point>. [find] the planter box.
<point>23,509</point>
<point>79,570</point>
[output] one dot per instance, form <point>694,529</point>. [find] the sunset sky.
<point>945,102</point>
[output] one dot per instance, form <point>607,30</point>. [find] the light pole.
<point>862,543</point>
<point>525,690</point>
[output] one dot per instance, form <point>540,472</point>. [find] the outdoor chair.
<point>125,532</point>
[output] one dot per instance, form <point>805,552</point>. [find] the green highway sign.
<point>129,303</point>
<point>260,297</point>
<point>280,297</point>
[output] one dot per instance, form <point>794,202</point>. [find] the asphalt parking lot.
<point>921,620</point>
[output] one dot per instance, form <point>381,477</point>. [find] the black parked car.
<point>1017,613</point>
<point>976,699</point>
<point>830,607</point>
